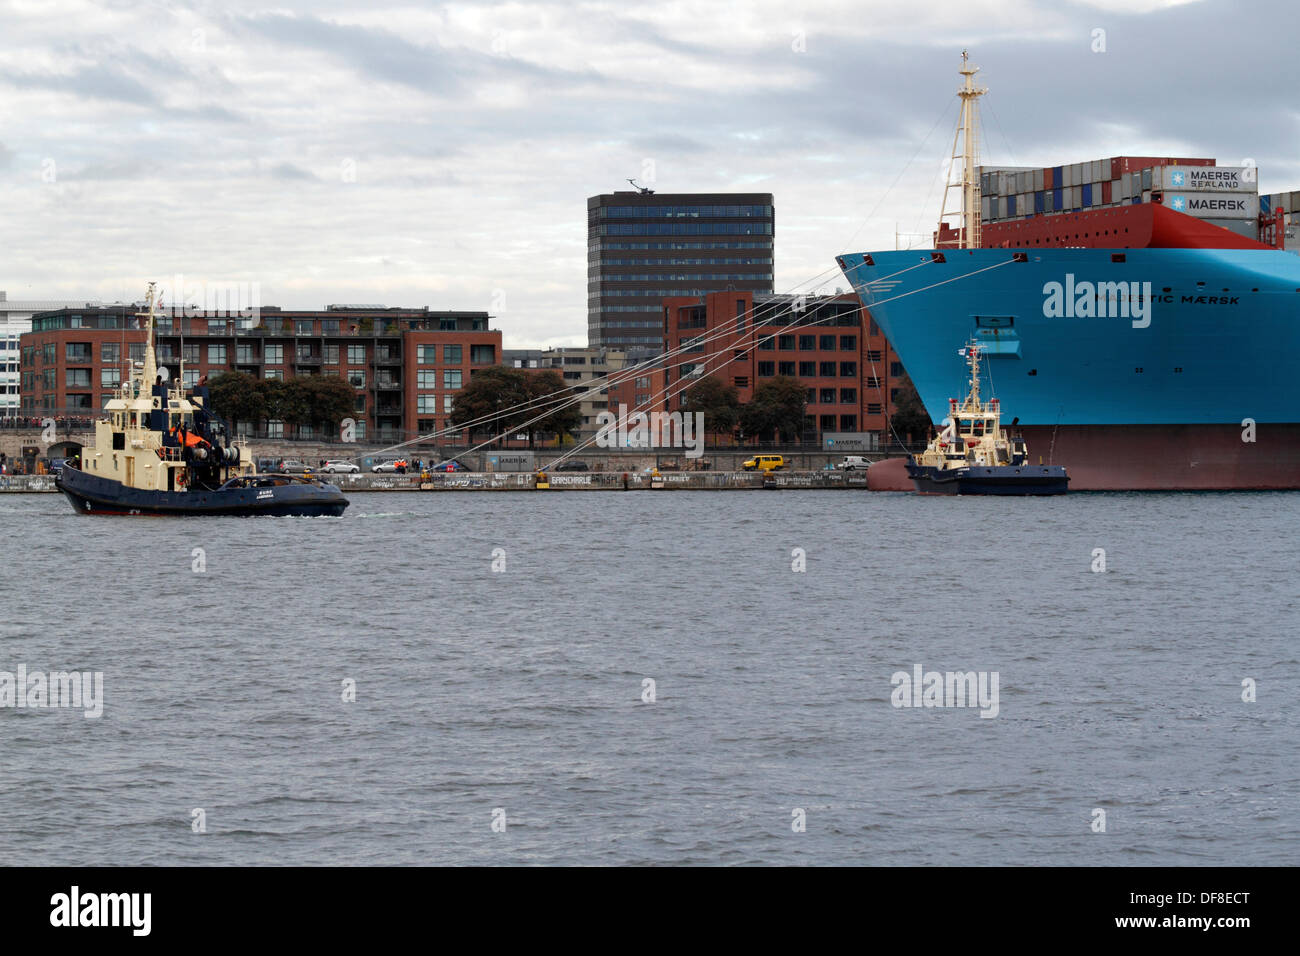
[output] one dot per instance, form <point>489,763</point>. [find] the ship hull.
<point>989,480</point>
<point>1183,382</point>
<point>92,495</point>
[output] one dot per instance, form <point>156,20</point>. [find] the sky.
<point>441,155</point>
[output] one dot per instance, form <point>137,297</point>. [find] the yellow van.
<point>764,463</point>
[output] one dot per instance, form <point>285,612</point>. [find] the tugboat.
<point>160,451</point>
<point>974,456</point>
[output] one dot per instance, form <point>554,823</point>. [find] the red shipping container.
<point>1048,178</point>
<point>1105,191</point>
<point>1135,164</point>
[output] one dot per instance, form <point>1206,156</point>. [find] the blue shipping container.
<point>1087,194</point>
<point>1056,199</point>
<point>1011,206</point>
<point>1058,180</point>
<point>1038,203</point>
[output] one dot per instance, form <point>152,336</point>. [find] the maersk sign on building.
<point>1243,179</point>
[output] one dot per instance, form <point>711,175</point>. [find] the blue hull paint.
<point>990,480</point>
<point>1208,357</point>
<point>93,495</point>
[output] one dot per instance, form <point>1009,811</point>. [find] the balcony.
<point>385,384</point>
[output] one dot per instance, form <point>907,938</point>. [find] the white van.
<point>853,463</point>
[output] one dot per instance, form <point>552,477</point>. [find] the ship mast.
<point>968,233</point>
<point>150,369</point>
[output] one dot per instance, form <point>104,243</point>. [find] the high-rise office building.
<point>643,247</point>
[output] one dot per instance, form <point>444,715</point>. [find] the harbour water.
<point>518,695</point>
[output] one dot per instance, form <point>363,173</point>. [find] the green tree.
<point>237,397</point>
<point>777,407</point>
<point>329,401</point>
<point>910,419</point>
<point>502,401</point>
<point>719,402</point>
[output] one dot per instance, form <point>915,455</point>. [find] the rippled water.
<point>522,689</point>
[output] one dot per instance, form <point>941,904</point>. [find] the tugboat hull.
<point>92,495</point>
<point>990,480</point>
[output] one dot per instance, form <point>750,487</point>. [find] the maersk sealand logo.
<point>1178,203</point>
<point>1177,179</point>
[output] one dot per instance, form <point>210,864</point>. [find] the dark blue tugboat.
<point>974,456</point>
<point>160,451</point>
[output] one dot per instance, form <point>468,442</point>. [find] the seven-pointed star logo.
<point>1179,204</point>
<point>1176,179</point>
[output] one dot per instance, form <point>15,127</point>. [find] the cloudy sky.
<point>441,154</point>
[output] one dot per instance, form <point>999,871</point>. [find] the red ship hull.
<point>1152,458</point>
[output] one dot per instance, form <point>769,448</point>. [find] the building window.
<point>110,377</point>
<point>766,368</point>
<point>451,354</point>
<point>826,370</point>
<point>848,369</point>
<point>827,423</point>
<point>427,354</point>
<point>191,353</point>
<point>482,354</point>
<point>741,381</point>
<point>331,355</point>
<point>827,396</point>
<point>807,343</point>
<point>447,402</point>
<point>426,404</point>
<point>785,368</point>
<point>848,423</point>
<point>740,316</point>
<point>807,369</point>
<point>766,344</point>
<point>357,378</point>
<point>895,369</point>
<point>216,354</point>
<point>77,352</point>
<point>81,401</point>
<point>303,326</point>
<point>360,404</point>
<point>329,327</point>
<point>451,378</point>
<point>274,429</point>
<point>275,374</point>
<point>245,353</point>
<point>191,378</point>
<point>874,408</point>
<point>873,381</point>
<point>785,343</point>
<point>848,396</point>
<point>848,343</point>
<point>426,378</point>
<point>110,353</point>
<point>76,378</point>
<point>827,343</point>
<point>812,396</point>
<point>356,355</point>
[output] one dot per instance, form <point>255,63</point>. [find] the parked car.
<point>764,463</point>
<point>451,464</point>
<point>573,466</point>
<point>853,463</point>
<point>392,466</point>
<point>344,467</point>
<point>292,466</point>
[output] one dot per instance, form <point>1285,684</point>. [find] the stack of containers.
<point>1226,196</point>
<point>1017,192</point>
<point>1289,203</point>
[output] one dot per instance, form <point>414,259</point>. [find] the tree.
<point>777,407</point>
<point>501,401</point>
<point>329,401</point>
<point>719,402</point>
<point>237,397</point>
<point>910,417</point>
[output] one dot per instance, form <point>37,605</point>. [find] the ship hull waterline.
<point>91,495</point>
<point>1193,394</point>
<point>1003,480</point>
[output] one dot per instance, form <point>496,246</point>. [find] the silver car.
<point>340,467</point>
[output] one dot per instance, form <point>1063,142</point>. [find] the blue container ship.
<point>1137,346</point>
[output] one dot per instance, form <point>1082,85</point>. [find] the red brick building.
<point>406,365</point>
<point>829,343</point>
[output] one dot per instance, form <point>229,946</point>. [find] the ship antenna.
<point>968,236</point>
